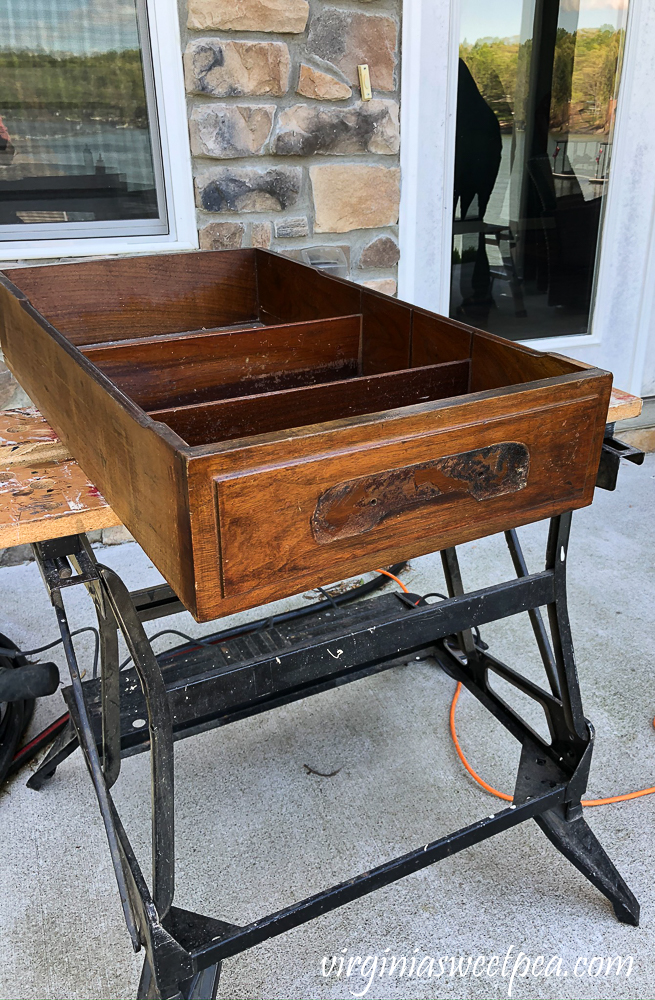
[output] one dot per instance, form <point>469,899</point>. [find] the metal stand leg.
<point>560,629</point>
<point>63,747</point>
<point>161,738</point>
<point>569,832</point>
<point>110,680</point>
<point>143,913</point>
<point>202,986</point>
<point>455,588</point>
<point>572,735</point>
<point>148,987</point>
<point>536,620</point>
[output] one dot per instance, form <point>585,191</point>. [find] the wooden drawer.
<point>262,428</point>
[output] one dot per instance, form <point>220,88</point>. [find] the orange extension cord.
<point>476,776</point>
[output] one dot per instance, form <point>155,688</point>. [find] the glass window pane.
<point>79,152</point>
<point>536,104</point>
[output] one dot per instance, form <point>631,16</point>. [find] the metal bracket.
<point>610,459</point>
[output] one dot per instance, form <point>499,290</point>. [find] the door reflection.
<point>535,116</point>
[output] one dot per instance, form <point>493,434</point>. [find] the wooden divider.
<point>274,411</point>
<point>212,364</point>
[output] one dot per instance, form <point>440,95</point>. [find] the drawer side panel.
<point>139,473</point>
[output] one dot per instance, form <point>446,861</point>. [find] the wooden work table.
<point>44,493</point>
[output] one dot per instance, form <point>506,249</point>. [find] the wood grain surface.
<point>623,406</point>
<point>313,404</point>
<point>103,300</point>
<point>359,505</point>
<point>436,338</point>
<point>140,472</point>
<point>26,437</point>
<point>558,437</point>
<point>72,503</point>
<point>211,365</point>
<point>225,508</point>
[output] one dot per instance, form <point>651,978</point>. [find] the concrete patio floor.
<point>256,832</point>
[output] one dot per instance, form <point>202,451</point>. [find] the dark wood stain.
<point>320,397</point>
<point>120,299</point>
<point>436,339</point>
<point>386,333</point>
<point>215,365</point>
<point>495,361</point>
<point>291,291</point>
<point>359,505</point>
<point>223,419</point>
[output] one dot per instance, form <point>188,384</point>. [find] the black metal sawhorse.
<point>202,688</point>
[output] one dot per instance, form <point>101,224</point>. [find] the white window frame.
<point>166,48</point>
<point>624,306</point>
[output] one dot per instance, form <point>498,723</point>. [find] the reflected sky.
<point>76,26</point>
<point>502,18</point>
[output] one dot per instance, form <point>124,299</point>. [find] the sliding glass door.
<point>537,85</point>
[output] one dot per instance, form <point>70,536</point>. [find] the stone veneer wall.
<point>285,153</point>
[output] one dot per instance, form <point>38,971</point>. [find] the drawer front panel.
<point>314,520</point>
<point>359,505</point>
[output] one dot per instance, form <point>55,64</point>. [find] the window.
<point>81,149</point>
<point>536,102</point>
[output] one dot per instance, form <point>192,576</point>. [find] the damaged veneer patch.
<point>359,505</point>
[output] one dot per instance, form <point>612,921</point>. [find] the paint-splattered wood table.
<point>43,492</point>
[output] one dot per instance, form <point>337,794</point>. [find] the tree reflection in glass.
<point>76,117</point>
<point>536,102</point>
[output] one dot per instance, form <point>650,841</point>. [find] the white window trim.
<point>624,307</point>
<point>427,150</point>
<point>168,74</point>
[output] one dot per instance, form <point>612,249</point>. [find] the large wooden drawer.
<point>262,428</point>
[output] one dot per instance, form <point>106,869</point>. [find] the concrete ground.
<point>256,831</point>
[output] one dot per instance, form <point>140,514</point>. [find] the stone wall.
<point>285,153</point>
